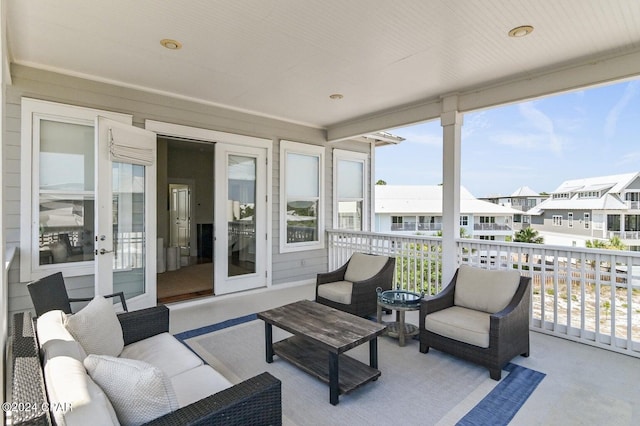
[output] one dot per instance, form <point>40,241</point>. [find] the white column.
<point>451,121</point>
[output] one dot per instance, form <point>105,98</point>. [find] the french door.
<point>240,240</point>
<point>125,217</point>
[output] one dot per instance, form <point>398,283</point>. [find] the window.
<point>487,219</point>
<point>396,223</point>
<point>464,220</point>
<point>570,219</point>
<point>487,237</point>
<point>557,220</point>
<point>302,196</point>
<point>587,220</point>
<point>349,190</point>
<point>57,232</point>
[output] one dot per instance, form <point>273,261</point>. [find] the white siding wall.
<point>29,82</point>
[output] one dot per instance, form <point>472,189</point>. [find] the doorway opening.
<point>185,219</point>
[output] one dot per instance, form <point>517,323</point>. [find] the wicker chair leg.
<point>526,354</point>
<point>424,348</point>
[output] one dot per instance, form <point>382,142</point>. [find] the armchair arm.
<point>514,318</point>
<point>119,294</point>
<point>329,277</point>
<point>143,323</point>
<point>440,301</point>
<point>257,400</point>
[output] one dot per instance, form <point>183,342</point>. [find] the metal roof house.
<point>417,209</point>
<point>600,207</point>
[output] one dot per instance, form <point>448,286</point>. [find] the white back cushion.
<point>97,328</point>
<point>485,290</point>
<point>75,398</point>
<point>364,266</point>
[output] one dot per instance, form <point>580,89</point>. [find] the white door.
<point>125,249</point>
<point>240,240</point>
<point>180,211</point>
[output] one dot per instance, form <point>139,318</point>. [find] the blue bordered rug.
<point>498,407</point>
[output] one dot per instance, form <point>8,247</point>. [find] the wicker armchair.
<point>352,288</point>
<point>491,332</point>
<point>50,293</point>
<point>256,400</point>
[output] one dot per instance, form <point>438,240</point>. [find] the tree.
<point>381,182</point>
<point>528,235</point>
<point>615,243</point>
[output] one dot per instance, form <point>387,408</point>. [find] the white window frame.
<point>587,220</point>
<point>32,110</point>
<point>464,220</point>
<point>570,219</point>
<point>356,157</point>
<point>287,147</point>
<point>557,219</point>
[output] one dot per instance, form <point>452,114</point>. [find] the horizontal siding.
<point>38,84</point>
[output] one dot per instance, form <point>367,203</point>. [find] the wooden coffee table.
<point>318,331</point>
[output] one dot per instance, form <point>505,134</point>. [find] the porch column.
<point>451,121</point>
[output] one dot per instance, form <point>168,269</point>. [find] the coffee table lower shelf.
<point>314,360</point>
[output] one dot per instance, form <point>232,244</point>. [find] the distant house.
<point>591,208</point>
<point>523,199</point>
<point>417,209</point>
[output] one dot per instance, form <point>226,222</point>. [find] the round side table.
<point>401,302</point>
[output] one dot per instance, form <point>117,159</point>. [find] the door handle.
<point>103,251</point>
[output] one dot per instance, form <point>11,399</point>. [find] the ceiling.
<point>284,58</point>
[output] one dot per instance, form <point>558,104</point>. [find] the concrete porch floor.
<point>584,385</point>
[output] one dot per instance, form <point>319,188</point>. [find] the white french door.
<point>125,217</point>
<point>240,241</point>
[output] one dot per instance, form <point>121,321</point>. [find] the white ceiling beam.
<point>586,74</point>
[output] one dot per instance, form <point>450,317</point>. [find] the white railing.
<point>572,295</point>
<point>418,258</point>
<point>625,235</point>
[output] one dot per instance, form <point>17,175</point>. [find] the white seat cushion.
<point>364,266</point>
<point>197,383</point>
<point>163,351</point>
<point>462,324</point>
<point>485,290</point>
<point>138,391</point>
<point>339,291</point>
<point>97,328</point>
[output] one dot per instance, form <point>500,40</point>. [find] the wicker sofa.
<point>253,401</point>
<point>482,316</point>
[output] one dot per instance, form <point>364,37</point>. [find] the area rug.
<point>413,389</point>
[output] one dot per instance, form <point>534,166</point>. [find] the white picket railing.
<point>572,295</point>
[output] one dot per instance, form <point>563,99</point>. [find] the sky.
<point>538,143</point>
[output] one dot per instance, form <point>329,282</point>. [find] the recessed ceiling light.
<point>336,96</point>
<point>521,31</point>
<point>171,44</point>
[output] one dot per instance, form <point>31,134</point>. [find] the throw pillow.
<point>138,391</point>
<point>97,328</point>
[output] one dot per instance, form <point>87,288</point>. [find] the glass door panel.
<point>241,199</point>
<point>240,218</point>
<point>125,246</point>
<point>128,228</point>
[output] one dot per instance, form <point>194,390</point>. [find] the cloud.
<point>430,139</point>
<point>529,141</point>
<point>543,123</point>
<point>611,122</point>
<point>474,122</point>
<point>630,157</point>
